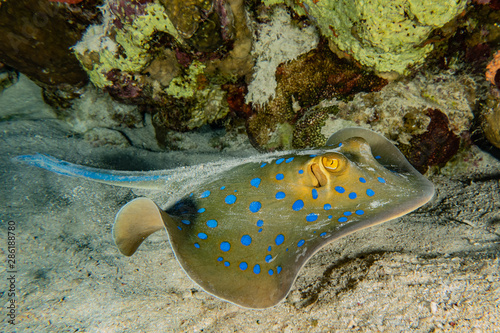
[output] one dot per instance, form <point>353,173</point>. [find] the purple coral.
<point>126,11</point>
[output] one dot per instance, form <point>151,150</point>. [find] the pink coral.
<point>493,70</point>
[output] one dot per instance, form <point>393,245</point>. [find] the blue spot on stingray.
<point>280,176</point>
<point>230,199</point>
<point>268,258</point>
<point>255,206</point>
<point>359,212</point>
<point>352,195</point>
<point>191,194</point>
<point>378,157</point>
<point>327,206</point>
<point>246,240</point>
<point>256,269</point>
<point>226,263</point>
<point>329,216</point>
<point>280,160</point>
<point>179,227</point>
<point>380,179</point>
<point>255,182</point>
<point>339,189</point>
<point>220,259</point>
<point>223,187</point>
<point>235,191</point>
<point>263,165</point>
<point>196,245</point>
<point>300,243</point>
<point>201,210</point>
<point>279,239</point>
<point>342,219</point>
<point>323,234</point>
<point>288,160</point>
<point>260,230</point>
<point>313,155</point>
<point>243,266</point>
<point>298,205</point>
<point>271,272</point>
<point>225,246</point>
<point>269,249</point>
<point>347,213</point>
<point>202,235</point>
<point>301,172</point>
<point>186,222</point>
<point>340,144</point>
<point>212,223</point>
<point>278,269</point>
<point>370,192</point>
<point>280,195</point>
<point>311,217</point>
<point>314,193</point>
<point>205,194</point>
<point>361,179</point>
<point>260,223</point>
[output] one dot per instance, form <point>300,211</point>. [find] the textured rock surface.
<point>36,36</point>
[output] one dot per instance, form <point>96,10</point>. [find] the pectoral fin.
<point>135,222</point>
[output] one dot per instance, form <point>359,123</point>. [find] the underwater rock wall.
<point>36,37</point>
<point>291,72</point>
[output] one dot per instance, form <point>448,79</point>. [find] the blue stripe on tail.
<point>73,170</point>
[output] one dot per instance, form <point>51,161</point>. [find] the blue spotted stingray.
<point>242,231</point>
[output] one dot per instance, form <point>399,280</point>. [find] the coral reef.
<point>493,70</point>
<point>307,130</point>
<point>94,109</point>
<point>386,36</point>
<point>145,53</point>
<point>490,119</point>
<point>279,40</point>
<point>301,84</point>
<point>293,71</point>
<point>436,146</point>
<point>422,115</point>
<point>121,43</point>
<point>493,4</point>
<point>398,110</point>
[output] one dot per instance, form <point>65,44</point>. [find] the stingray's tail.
<point>133,179</point>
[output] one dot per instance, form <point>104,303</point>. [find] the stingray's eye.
<point>334,162</point>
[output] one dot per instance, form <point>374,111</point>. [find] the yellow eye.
<point>334,162</point>
<point>330,163</point>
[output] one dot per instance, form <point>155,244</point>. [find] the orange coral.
<point>492,68</point>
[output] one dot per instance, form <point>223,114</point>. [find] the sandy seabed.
<point>436,269</point>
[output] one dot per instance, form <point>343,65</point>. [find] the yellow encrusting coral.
<point>106,47</point>
<point>388,36</point>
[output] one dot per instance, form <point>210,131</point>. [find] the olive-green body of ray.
<point>296,212</point>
